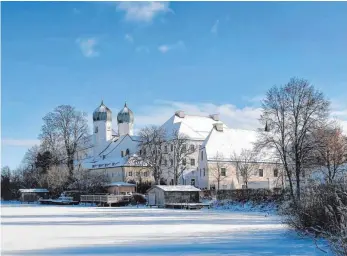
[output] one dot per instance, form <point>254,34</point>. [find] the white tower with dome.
<point>102,125</point>
<point>125,120</point>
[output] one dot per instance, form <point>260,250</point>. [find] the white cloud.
<point>87,47</point>
<point>19,143</point>
<point>129,38</point>
<point>168,47</point>
<point>214,29</point>
<point>142,49</point>
<point>143,11</point>
<point>234,117</point>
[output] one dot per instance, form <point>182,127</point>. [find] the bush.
<point>138,199</point>
<point>321,211</point>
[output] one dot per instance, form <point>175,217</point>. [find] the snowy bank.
<point>235,206</point>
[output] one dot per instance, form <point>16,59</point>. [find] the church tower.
<point>102,125</point>
<point>125,120</point>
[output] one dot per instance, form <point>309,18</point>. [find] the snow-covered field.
<point>59,230</point>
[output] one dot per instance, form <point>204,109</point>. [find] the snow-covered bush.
<point>322,210</point>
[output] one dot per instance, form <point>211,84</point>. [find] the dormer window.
<point>127,152</point>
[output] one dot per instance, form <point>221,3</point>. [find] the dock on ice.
<point>105,200</point>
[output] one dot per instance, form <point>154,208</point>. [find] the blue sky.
<point>201,57</point>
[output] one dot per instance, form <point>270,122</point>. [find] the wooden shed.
<point>174,196</point>
<point>33,194</point>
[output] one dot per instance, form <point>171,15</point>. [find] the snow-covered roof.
<point>33,190</point>
<point>177,188</point>
<point>193,126</point>
<point>120,184</point>
<point>227,142</point>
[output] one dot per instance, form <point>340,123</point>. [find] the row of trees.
<point>51,164</point>
<point>155,145</point>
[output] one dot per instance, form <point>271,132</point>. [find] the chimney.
<point>218,126</point>
<point>180,113</point>
<point>215,117</point>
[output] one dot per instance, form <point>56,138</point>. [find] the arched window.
<point>127,152</point>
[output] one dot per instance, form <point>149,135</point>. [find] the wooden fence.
<point>104,199</point>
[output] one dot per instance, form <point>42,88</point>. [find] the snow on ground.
<point>68,230</point>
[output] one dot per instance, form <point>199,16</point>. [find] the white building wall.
<point>102,132</point>
<point>125,128</point>
<point>191,169</point>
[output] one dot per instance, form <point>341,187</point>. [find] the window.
<point>140,152</point>
<point>165,162</point>
<point>202,155</point>
<point>130,173</point>
<point>192,148</point>
<point>184,161</point>
<point>171,182</point>
<point>192,182</point>
<point>138,174</point>
<point>165,149</point>
<point>96,129</point>
<point>192,162</point>
<point>204,172</point>
<point>223,172</point>
<point>184,148</point>
<point>171,147</point>
<point>127,152</point>
<point>144,151</point>
<point>122,153</point>
<point>275,172</point>
<point>171,162</point>
<point>261,173</point>
<point>145,174</point>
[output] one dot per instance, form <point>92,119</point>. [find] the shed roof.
<point>33,190</point>
<point>120,184</point>
<point>176,188</point>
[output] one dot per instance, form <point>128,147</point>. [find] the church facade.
<point>113,152</point>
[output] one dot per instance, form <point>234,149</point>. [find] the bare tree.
<point>57,178</point>
<point>89,181</point>
<point>181,151</point>
<point>219,169</point>
<point>151,147</point>
<point>30,157</point>
<point>290,114</point>
<point>62,131</point>
<point>246,163</point>
<point>332,151</point>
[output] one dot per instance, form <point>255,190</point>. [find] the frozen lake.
<point>59,230</point>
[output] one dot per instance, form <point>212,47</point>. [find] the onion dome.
<point>125,115</point>
<point>102,113</point>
